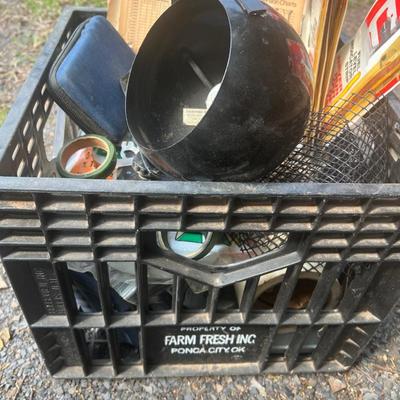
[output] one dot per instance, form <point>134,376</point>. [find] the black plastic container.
<point>349,234</point>
<point>248,58</point>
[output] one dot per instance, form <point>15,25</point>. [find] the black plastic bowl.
<point>263,73</point>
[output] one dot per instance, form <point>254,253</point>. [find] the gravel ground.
<point>22,372</point>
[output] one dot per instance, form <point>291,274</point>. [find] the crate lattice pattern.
<point>352,233</point>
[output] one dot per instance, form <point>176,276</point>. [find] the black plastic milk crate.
<point>348,234</point>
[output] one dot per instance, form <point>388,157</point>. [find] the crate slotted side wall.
<point>48,222</point>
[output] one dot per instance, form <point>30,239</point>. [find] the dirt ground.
<point>24,26</point>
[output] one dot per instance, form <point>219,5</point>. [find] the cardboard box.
<point>134,18</point>
<point>292,10</point>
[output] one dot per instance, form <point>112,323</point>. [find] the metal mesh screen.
<point>339,145</point>
<point>339,148</point>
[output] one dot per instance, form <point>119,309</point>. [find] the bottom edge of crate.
<point>188,370</point>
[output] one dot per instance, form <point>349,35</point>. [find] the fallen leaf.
<point>4,337</point>
<point>336,385</point>
<point>3,284</point>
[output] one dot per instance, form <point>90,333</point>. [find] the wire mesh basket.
<point>340,146</point>
<point>346,144</point>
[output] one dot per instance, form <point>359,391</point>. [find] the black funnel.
<point>220,90</point>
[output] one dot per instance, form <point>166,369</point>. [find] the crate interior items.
<point>314,273</point>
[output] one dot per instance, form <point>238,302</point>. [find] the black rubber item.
<point>260,110</point>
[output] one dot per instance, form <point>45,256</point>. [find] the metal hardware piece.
<point>252,7</point>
